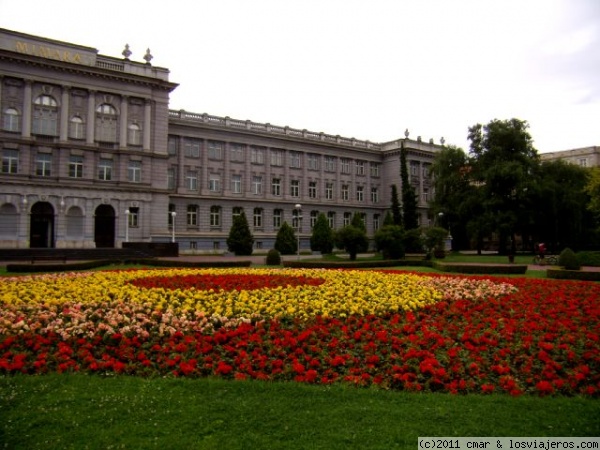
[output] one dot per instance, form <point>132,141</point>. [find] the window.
<point>295,188</point>
<point>192,215</point>
<point>258,217</point>
<point>374,169</point>
<point>134,217</point>
<point>193,245</point>
<point>191,180</point>
<point>76,128</point>
<point>295,160</point>
<point>414,169</point>
<point>43,165</point>
<point>296,218</point>
<point>374,195</point>
<point>256,185</point>
<point>331,219</point>
<point>215,216</point>
<point>134,172</point>
<point>45,116</point>
<point>75,166</point>
<point>105,169</point>
<point>236,184</point>
<point>345,192</point>
<point>313,218</point>
<point>173,145</point>
<point>347,219</point>
<point>214,182</point>
<point>277,218</point>
<point>329,164</point>
<point>191,148</point>
<point>12,120</point>
<point>236,211</point>
<point>10,161</point>
<point>425,195</point>
<point>360,190</point>
<point>135,134</point>
<point>312,189</point>
<point>257,155</point>
<point>172,209</point>
<point>583,162</point>
<point>276,186</point>
<point>276,157</point>
<point>215,149</point>
<point>345,165</point>
<point>329,191</point>
<point>106,123</point>
<point>236,152</point>
<point>360,167</point>
<point>313,161</point>
<point>171,178</point>
<point>376,220</point>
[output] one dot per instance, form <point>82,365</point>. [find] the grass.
<point>80,411</point>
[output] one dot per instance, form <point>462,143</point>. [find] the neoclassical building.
<point>92,156</point>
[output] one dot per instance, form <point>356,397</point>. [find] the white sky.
<point>367,69</point>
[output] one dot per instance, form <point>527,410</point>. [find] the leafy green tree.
<point>285,241</point>
<point>388,219</point>
<point>409,196</point>
<point>351,239</point>
<point>435,237</point>
<point>389,241</point>
<point>240,239</point>
<point>396,211</point>
<point>321,239</point>
<point>592,188</point>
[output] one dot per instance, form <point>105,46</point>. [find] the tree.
<point>389,241</point>
<point>353,237</point>
<point>240,239</point>
<point>409,197</point>
<point>396,212</point>
<point>321,239</point>
<point>285,241</point>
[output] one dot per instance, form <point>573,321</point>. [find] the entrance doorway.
<point>104,226</point>
<point>41,230</point>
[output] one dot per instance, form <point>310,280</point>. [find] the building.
<point>584,157</point>
<point>92,157</point>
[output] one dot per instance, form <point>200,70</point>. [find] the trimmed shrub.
<point>568,260</point>
<point>273,258</point>
<point>240,240</point>
<point>388,240</point>
<point>321,239</point>
<point>286,242</point>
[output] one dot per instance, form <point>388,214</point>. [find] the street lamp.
<point>173,215</point>
<point>298,207</point>
<point>127,212</point>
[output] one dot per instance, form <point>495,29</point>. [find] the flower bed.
<point>391,329</point>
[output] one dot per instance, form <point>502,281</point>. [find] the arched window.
<point>74,222</point>
<point>106,123</point>
<point>8,220</point>
<point>12,120</point>
<point>135,134</point>
<point>45,116</point>
<point>258,217</point>
<point>77,128</point>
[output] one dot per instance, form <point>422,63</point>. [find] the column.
<point>64,114</point>
<point>91,116</point>
<point>26,130</point>
<point>147,124</point>
<point>123,122</point>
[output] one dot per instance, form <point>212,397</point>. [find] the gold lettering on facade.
<point>47,52</point>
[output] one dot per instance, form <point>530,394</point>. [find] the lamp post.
<point>298,207</point>
<point>127,212</point>
<point>173,215</point>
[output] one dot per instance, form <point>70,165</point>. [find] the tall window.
<point>295,160</point>
<point>106,123</point>
<point>329,191</point>
<point>134,217</point>
<point>257,185</point>
<point>45,116</point>
<point>10,161</point>
<point>374,195</point>
<point>312,189</point>
<point>345,165</point>
<point>347,219</point>
<point>135,134</point>
<point>331,219</point>
<point>75,166</point>
<point>345,192</point>
<point>171,178</point>
<point>313,218</point>
<point>76,128</point>
<point>313,161</point>
<point>215,149</point>
<point>374,169</point>
<point>295,188</point>
<point>360,193</point>
<point>360,167</point>
<point>330,164</point>
<point>191,180</point>
<point>173,145</point>
<point>236,184</point>
<point>276,186</point>
<point>215,216</point>
<point>43,165</point>
<point>191,147</point>
<point>172,209</point>
<point>257,155</point>
<point>376,222</point>
<point>12,120</point>
<point>258,217</point>
<point>134,172</point>
<point>192,215</point>
<point>214,182</point>
<point>236,152</point>
<point>276,157</point>
<point>296,216</point>
<point>277,218</point>
<point>105,167</point>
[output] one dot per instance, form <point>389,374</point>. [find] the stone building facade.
<point>92,157</point>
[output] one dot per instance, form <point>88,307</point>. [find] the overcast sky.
<point>367,69</point>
